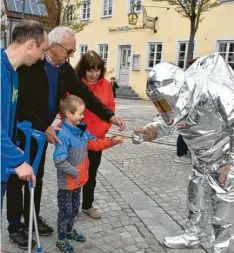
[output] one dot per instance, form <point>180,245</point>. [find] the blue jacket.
<point>71,158</point>
<point>11,157</point>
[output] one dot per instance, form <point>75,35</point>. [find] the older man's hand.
<point>51,135</point>
<point>118,122</point>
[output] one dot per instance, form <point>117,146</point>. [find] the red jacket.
<point>103,90</point>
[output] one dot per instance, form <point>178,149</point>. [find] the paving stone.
<point>117,244</point>
<point>125,235</point>
<point>131,248</point>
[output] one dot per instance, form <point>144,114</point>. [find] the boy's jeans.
<point>68,205</point>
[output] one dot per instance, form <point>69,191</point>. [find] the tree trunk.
<point>191,40</point>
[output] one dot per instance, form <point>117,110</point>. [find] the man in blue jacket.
<point>29,42</point>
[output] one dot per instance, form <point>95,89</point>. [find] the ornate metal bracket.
<point>148,22</point>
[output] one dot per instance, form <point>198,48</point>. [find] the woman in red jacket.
<point>91,69</point>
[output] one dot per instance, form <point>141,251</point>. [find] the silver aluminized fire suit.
<point>201,101</point>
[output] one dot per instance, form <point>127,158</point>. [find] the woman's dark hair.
<point>90,60</point>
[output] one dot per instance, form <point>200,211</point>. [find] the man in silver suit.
<point>201,101</point>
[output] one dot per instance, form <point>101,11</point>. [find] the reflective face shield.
<point>162,105</point>
<point>165,81</point>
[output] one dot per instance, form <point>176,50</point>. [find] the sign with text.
<point>125,29</point>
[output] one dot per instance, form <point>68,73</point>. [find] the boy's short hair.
<point>69,103</point>
<point>112,78</point>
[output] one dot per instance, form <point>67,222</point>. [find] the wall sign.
<point>125,29</point>
<point>136,62</point>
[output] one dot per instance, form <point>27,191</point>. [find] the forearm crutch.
<point>40,137</point>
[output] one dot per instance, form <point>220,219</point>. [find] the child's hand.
<point>117,139</point>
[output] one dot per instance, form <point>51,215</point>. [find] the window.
<point>83,50</point>
<point>85,9</point>
<point>68,16</point>
<point>103,52</point>
<point>154,54</point>
<point>226,49</point>
<point>135,5</point>
<point>182,54</point>
<point>107,8</point>
<point>34,7</point>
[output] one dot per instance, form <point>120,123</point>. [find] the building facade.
<point>11,15</point>
<point>130,51</point>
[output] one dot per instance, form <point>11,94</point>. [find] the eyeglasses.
<point>69,51</point>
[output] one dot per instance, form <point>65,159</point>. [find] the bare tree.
<point>193,10</point>
<point>3,18</point>
<point>63,12</point>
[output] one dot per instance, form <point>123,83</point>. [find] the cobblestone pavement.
<point>141,194</point>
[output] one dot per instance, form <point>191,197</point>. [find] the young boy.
<point>114,85</point>
<point>71,161</point>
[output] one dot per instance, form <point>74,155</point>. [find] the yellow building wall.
<point>171,28</point>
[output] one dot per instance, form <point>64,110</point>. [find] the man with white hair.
<point>52,78</point>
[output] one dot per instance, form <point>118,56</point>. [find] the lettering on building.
<point>125,29</point>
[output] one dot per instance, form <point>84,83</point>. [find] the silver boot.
<point>184,241</point>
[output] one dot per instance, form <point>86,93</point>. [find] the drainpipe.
<point>23,10</point>
<point>10,31</point>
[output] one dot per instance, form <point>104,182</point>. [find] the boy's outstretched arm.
<point>101,144</point>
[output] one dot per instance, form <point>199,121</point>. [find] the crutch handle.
<point>26,127</point>
<point>40,138</point>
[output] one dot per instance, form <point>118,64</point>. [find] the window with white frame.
<point>103,52</point>
<point>107,8</point>
<point>85,9</point>
<point>226,49</point>
<point>68,14</point>
<point>135,5</point>
<point>182,54</point>
<point>83,50</point>
<point>154,53</point>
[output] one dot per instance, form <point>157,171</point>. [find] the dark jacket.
<point>34,93</point>
<point>114,87</point>
<point>11,157</point>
